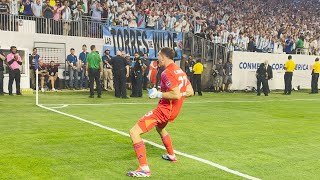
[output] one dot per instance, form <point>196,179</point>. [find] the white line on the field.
<point>186,102</point>
<point>60,106</point>
<point>156,145</point>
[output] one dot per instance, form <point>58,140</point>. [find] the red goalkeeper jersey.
<point>171,78</point>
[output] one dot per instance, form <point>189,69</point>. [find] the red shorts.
<point>152,119</point>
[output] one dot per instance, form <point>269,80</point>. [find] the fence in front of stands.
<point>84,27</point>
<point>200,47</point>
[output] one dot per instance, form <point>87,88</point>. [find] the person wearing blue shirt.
<point>73,66</point>
<point>83,61</point>
<point>288,45</point>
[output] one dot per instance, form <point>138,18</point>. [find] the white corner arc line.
<point>237,173</point>
<point>58,107</point>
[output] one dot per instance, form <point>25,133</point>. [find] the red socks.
<point>168,144</point>
<point>140,150</point>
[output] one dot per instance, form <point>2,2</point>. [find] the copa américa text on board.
<point>275,66</point>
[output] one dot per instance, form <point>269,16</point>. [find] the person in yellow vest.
<point>289,67</point>
<point>315,77</point>
<point>197,71</point>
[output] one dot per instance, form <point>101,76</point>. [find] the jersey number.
<point>182,82</point>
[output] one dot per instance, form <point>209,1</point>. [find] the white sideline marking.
<point>186,102</point>
<point>156,145</point>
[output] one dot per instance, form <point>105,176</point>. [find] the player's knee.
<point>133,132</point>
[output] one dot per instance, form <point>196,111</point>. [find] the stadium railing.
<point>205,49</point>
<point>84,27</point>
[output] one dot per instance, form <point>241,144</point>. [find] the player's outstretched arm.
<point>189,91</point>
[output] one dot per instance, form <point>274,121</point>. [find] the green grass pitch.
<point>275,137</point>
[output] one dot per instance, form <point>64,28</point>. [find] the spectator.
<point>73,66</point>
<point>83,60</point>
<point>27,9</point>
<point>33,60</point>
<point>2,59</point>
<point>160,22</point>
<point>141,19</point>
<point>48,11</point>
<point>171,20</point>
<point>66,18</point>
<point>37,12</point>
<point>300,45</point>
<point>288,45</point>
<point>96,18</point>
<point>42,73</point>
<point>197,71</point>
<point>57,26</point>
<point>4,12</point>
<point>77,16</point>
<point>53,75</point>
<point>151,20</point>
<point>14,7</point>
<point>14,62</point>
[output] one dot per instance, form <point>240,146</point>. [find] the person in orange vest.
<point>152,76</point>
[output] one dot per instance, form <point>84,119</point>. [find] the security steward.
<point>289,67</point>
<point>315,77</point>
<point>2,59</point>
<point>137,76</point>
<point>262,78</point>
<point>120,72</point>
<point>94,70</point>
<point>197,71</point>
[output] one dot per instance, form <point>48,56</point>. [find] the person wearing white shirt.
<point>313,46</point>
<point>66,18</point>
<point>178,26</point>
<point>224,36</point>
<point>14,7</point>
<point>171,20</point>
<point>185,26</point>
<point>151,21</point>
<point>77,15</point>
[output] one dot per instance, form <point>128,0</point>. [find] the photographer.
<point>42,73</point>
<point>14,62</point>
<point>53,75</point>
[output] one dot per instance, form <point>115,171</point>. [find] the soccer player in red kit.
<point>175,86</point>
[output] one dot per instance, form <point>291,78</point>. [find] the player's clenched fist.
<point>154,93</point>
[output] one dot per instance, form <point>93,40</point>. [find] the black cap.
<point>317,59</point>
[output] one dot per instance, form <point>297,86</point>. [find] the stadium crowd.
<point>246,25</point>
